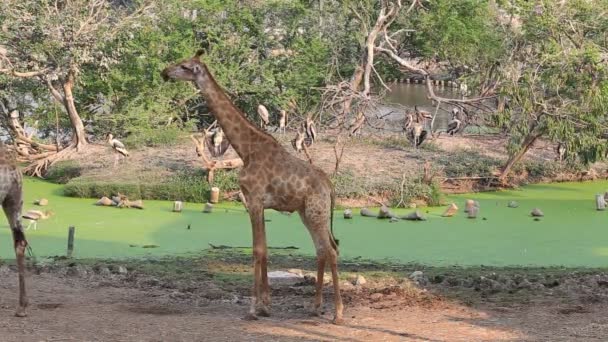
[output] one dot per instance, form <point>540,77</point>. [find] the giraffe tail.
<point>334,242</point>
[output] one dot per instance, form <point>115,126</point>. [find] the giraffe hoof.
<point>250,317</point>
<point>21,313</point>
<point>263,312</point>
<point>338,321</point>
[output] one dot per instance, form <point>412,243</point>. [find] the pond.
<point>572,233</point>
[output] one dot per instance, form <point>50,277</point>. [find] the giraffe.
<point>271,178</point>
<point>12,202</point>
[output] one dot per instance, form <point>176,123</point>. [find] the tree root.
<point>40,164</point>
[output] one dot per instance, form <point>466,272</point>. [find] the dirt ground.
<point>83,304</point>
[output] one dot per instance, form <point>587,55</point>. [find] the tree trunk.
<point>79,138</point>
<point>528,142</point>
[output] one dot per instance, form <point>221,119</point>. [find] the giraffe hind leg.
<point>12,206</point>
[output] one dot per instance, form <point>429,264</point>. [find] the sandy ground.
<point>75,309</point>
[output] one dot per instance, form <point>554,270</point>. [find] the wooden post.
<point>177,206</point>
<point>600,202</point>
<point>71,231</point>
<point>215,195</point>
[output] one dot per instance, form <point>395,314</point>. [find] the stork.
<point>118,147</point>
<point>464,89</point>
<point>263,113</point>
<point>356,127</point>
<point>298,141</point>
<point>417,131</point>
<point>34,216</point>
<point>283,121</point>
<point>455,124</point>
<point>560,149</point>
<point>216,144</point>
<point>309,130</point>
<point>409,119</point>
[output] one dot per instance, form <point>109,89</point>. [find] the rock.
<point>42,202</point>
<point>537,212</point>
<point>283,278</point>
<point>348,214</point>
<point>393,220</point>
<point>116,199</point>
<point>367,213</point>
<point>415,216</point>
<point>105,201</point>
<point>418,277</point>
<point>375,297</point>
<point>76,271</point>
<point>451,210</point>
<point>346,286</point>
<point>385,213</point>
<point>489,285</point>
<point>513,204</point>
<point>468,205</point>
<point>4,270</point>
<point>178,206</point>
<point>524,284</point>
<point>472,212</point>
<point>122,270</point>
<point>360,280</point>
<point>208,208</point>
<point>104,271</point>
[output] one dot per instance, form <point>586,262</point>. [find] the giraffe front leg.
<point>260,291</point>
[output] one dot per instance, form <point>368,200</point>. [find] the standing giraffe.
<point>271,178</point>
<point>12,203</point>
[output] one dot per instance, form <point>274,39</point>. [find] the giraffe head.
<point>186,70</point>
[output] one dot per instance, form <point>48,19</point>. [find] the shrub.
<point>186,185</point>
<point>63,171</point>
<point>466,163</point>
<point>148,137</point>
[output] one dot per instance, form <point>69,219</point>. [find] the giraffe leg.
<point>260,291</point>
<point>12,208</point>
<point>316,217</point>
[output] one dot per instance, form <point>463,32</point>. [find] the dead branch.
<point>212,165</point>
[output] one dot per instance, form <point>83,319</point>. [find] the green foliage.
<point>556,79</point>
<point>149,137</point>
<point>468,163</point>
<point>186,185</point>
<point>63,171</point>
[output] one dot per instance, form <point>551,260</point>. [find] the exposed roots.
<point>41,163</point>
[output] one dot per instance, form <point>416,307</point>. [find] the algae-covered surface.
<point>572,232</point>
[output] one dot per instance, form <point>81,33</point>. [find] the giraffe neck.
<point>244,137</point>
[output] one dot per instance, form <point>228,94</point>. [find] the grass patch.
<point>184,185</point>
<point>401,142</point>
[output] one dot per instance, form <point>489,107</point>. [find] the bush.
<point>414,189</point>
<point>187,185</point>
<point>468,164</point>
<point>63,171</point>
<point>148,137</point>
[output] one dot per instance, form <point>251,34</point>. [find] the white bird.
<point>409,119</point>
<point>309,130</point>
<point>455,124</point>
<point>355,128</point>
<point>283,121</point>
<point>118,147</point>
<point>217,144</point>
<point>34,216</point>
<point>464,89</point>
<point>561,151</point>
<point>298,141</point>
<point>263,113</point>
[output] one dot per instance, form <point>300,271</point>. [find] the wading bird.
<point>118,147</point>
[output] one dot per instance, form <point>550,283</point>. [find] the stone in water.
<point>537,213</point>
<point>513,204</point>
<point>451,210</point>
<point>348,214</point>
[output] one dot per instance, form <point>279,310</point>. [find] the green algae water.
<point>572,233</point>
